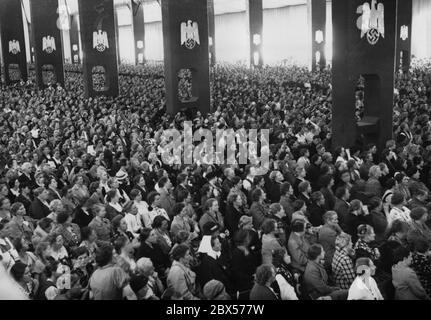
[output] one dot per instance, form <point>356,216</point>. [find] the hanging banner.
<point>254,10</point>
<point>138,30</point>
<point>404,38</point>
<point>185,40</point>
<point>13,41</point>
<point>75,45</point>
<point>47,43</point>
<point>364,33</point>
<point>317,16</point>
<point>99,45</point>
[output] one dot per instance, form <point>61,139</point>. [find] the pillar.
<point>211,32</point>
<point>404,37</point>
<point>13,41</point>
<point>185,39</point>
<point>47,41</point>
<point>98,36</point>
<point>75,45</point>
<point>367,48</point>
<point>317,20</point>
<point>138,31</point>
<point>254,9</point>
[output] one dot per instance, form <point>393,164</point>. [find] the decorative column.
<point>364,45</point>
<point>185,39</point>
<point>254,9</point>
<point>404,38</point>
<point>13,41</point>
<point>97,22</point>
<point>138,31</point>
<point>47,41</point>
<point>317,20</point>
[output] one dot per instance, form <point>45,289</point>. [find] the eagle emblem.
<point>372,21</point>
<point>190,34</point>
<point>319,36</point>
<point>404,33</point>
<point>100,40</point>
<point>14,47</point>
<point>48,44</point>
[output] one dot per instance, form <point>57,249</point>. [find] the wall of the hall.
<point>285,34</point>
<point>421,29</point>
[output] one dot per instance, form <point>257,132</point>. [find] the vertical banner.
<point>75,46</point>
<point>97,24</point>
<point>13,41</point>
<point>31,41</point>
<point>404,37</point>
<point>211,32</point>
<point>138,30</point>
<point>47,42</point>
<point>363,48</point>
<point>254,9</point>
<point>317,20</point>
<point>185,39</point>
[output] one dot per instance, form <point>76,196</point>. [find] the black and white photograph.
<point>229,152</point>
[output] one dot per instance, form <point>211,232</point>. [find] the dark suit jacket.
<point>262,293</point>
<point>38,210</point>
<point>214,269</point>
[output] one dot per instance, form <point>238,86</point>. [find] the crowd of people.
<point>88,209</point>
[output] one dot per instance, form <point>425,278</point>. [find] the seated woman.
<point>315,281</point>
<point>70,231</point>
<point>270,242</point>
<point>151,249</point>
<point>398,232</point>
<point>364,287</point>
<point>56,250</point>
<point>343,269</point>
<point>243,265</point>
<point>101,225</point>
<point>298,245</point>
<point>286,280</point>
<point>18,227</point>
<point>161,228</point>
<point>181,280</point>
<point>124,254</point>
<point>119,228</point>
<point>41,233</point>
<point>405,280</point>
<point>113,207</point>
<point>214,268</point>
<point>363,247</point>
<point>132,218</point>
